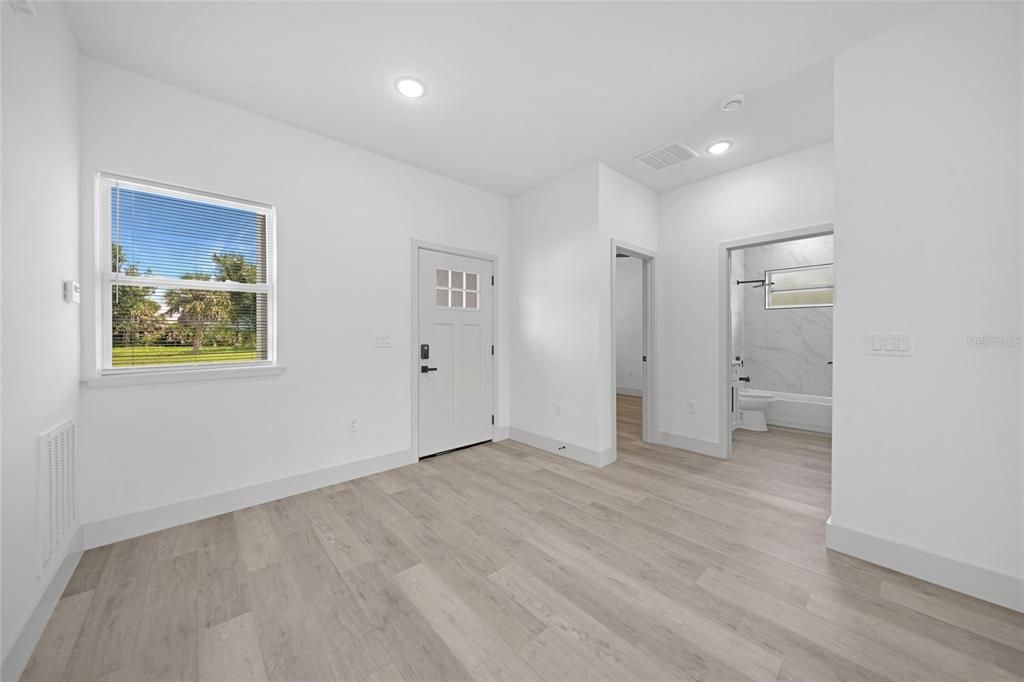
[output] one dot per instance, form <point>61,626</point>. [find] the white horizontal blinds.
<point>160,235</point>
<point>188,283</point>
<point>155,326</point>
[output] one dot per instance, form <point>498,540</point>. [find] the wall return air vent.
<point>667,156</point>
<point>57,517</point>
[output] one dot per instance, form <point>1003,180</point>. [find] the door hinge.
<point>492,420</point>
<point>492,280</point>
<point>492,349</point>
<point>645,358</point>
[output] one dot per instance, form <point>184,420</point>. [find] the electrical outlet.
<point>691,406</point>
<point>353,425</point>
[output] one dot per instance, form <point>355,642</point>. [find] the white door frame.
<point>414,349</point>
<point>650,395</point>
<point>725,315</point>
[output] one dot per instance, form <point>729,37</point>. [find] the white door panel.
<point>456,323</point>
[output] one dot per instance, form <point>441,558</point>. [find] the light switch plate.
<point>891,344</point>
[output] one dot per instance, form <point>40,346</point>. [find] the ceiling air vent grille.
<point>669,155</point>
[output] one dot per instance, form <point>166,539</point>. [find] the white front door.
<point>455,352</point>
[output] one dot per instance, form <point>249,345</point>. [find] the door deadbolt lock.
<point>424,351</point>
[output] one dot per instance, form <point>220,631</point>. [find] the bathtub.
<point>796,411</point>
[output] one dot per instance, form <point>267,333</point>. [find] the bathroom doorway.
<point>778,342</point>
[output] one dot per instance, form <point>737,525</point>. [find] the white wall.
<point>628,210</point>
<point>628,213</point>
<point>556,259</point>
<point>561,249</point>
<point>40,250</point>
<point>787,192</point>
<point>345,221</point>
<point>629,324</point>
<point>927,450</point>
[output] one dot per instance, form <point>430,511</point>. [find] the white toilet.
<point>752,407</point>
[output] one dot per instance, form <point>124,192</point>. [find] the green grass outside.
<point>133,356</point>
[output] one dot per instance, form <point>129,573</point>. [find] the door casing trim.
<point>725,284</point>
<point>414,362</point>
<point>649,399</point>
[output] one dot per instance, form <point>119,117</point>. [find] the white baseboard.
<point>118,528</point>
<point>27,634</point>
<point>983,583</point>
<point>635,392</point>
<point>701,447</point>
<point>555,447</point>
<point>500,433</point>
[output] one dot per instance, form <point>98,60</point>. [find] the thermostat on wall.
<point>72,292</point>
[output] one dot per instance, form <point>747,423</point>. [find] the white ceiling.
<point>517,93</point>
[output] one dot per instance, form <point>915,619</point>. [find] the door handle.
<point>424,369</point>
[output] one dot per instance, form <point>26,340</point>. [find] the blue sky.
<point>172,236</point>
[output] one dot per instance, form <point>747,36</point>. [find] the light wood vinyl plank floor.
<point>505,562</point>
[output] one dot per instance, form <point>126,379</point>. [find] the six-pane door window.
<point>456,289</point>
<point>189,281</point>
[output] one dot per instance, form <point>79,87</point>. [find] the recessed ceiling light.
<point>733,102</point>
<point>410,87</point>
<point>720,147</point>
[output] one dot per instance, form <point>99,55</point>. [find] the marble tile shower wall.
<point>737,271</point>
<point>786,350</point>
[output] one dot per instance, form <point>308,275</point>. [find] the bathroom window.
<point>810,286</point>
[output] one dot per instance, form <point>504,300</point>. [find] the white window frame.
<point>769,287</point>
<point>106,280</point>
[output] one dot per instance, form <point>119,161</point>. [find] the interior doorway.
<point>629,345</point>
<point>778,340</point>
<point>633,353</point>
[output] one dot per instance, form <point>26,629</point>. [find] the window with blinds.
<point>189,282</point>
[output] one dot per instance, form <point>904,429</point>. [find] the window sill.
<point>180,376</point>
